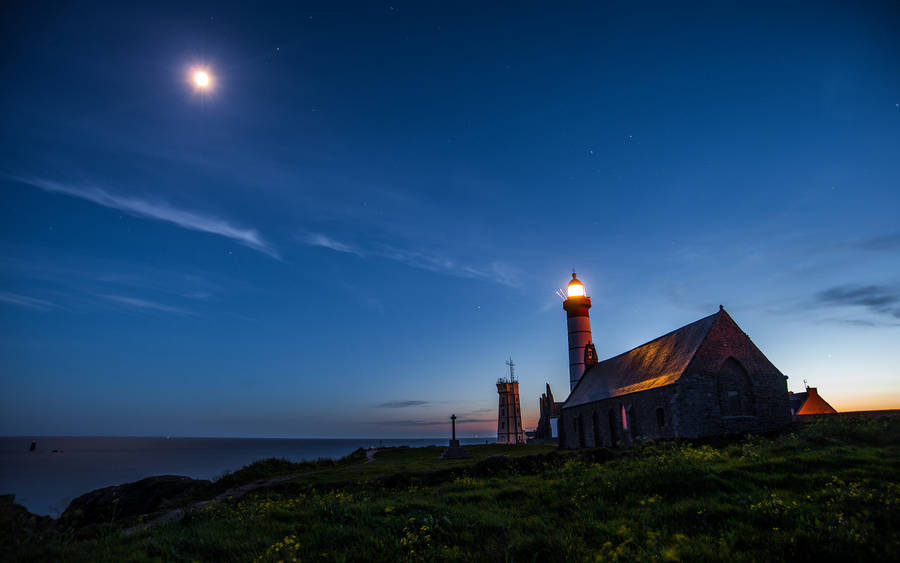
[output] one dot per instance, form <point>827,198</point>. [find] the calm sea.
<point>45,482</point>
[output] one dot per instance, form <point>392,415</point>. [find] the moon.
<point>201,79</point>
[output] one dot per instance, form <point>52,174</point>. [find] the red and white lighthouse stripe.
<point>579,323</point>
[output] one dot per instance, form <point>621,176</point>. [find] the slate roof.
<point>796,400</point>
<point>654,364</point>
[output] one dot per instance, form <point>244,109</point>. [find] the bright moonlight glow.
<point>201,79</point>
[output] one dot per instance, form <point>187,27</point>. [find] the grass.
<point>827,491</point>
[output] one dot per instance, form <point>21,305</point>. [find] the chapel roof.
<point>654,364</point>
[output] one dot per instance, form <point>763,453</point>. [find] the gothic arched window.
<point>735,389</point>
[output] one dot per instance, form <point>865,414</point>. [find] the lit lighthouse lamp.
<point>579,323</point>
<point>575,288</point>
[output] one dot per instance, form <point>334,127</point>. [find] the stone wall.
<point>729,387</point>
<point>701,412</point>
<point>729,362</point>
<point>641,410</point>
<point>690,408</point>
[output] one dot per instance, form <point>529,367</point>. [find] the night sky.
<point>371,205</point>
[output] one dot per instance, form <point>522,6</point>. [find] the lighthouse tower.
<point>509,417</point>
<point>579,321</point>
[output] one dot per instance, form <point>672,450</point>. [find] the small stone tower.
<point>509,417</point>
<point>578,319</point>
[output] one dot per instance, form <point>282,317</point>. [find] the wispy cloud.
<point>884,243</point>
<point>138,303</point>
<point>25,301</point>
<point>861,322</point>
<point>879,299</point>
<point>496,271</point>
<point>159,211</point>
<point>401,404</point>
<point>318,239</point>
<point>198,295</point>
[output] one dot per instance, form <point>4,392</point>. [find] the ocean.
<point>44,481</point>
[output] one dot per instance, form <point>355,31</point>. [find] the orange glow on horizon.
<point>866,402</point>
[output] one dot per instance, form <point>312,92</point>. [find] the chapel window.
<point>735,389</point>
<point>581,430</point>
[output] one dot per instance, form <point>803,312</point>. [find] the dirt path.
<point>233,493</point>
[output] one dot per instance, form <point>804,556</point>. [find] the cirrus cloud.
<point>157,210</point>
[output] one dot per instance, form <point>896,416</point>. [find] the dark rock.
<point>17,524</point>
<point>125,503</point>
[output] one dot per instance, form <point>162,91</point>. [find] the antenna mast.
<point>512,369</point>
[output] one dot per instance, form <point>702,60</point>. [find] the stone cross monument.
<point>454,451</point>
<point>454,443</point>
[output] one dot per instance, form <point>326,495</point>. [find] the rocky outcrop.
<point>125,503</point>
<point>18,525</point>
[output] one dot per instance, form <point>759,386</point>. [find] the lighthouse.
<point>509,417</point>
<point>578,319</point>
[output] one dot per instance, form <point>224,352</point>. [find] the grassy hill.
<point>828,490</point>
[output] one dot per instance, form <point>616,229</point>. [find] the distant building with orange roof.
<point>808,403</point>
